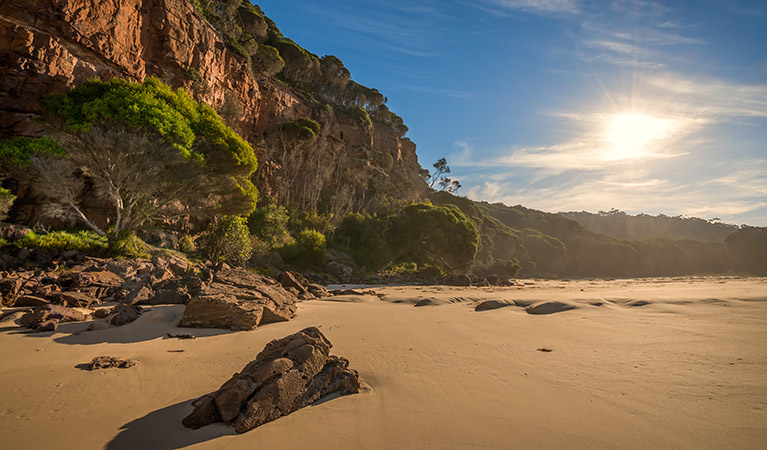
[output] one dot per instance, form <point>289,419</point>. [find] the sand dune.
<point>659,363</point>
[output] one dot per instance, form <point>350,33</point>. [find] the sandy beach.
<point>633,364</point>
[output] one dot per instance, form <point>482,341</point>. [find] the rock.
<point>293,280</point>
<point>74,299</point>
<point>317,290</point>
<point>123,314</point>
<point>122,268</point>
<point>138,294</point>
<point>549,308</point>
<point>492,304</point>
<point>239,300</point>
<point>11,232</point>
<point>13,316</point>
<point>9,288</point>
<point>30,300</point>
<point>47,317</point>
<point>108,362</point>
<point>457,280</point>
<point>339,270</point>
<point>289,374</point>
<point>168,297</point>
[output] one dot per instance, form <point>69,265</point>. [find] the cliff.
<point>345,164</point>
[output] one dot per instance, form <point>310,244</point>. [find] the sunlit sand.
<point>656,363</point>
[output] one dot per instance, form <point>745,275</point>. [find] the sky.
<point>568,105</point>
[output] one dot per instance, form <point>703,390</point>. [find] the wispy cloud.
<point>538,6</point>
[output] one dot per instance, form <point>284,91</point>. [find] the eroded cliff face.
<point>50,45</point>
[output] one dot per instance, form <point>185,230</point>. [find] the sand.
<point>654,363</point>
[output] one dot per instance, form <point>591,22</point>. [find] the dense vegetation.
<point>620,225</point>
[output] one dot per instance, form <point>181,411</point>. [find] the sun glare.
<point>632,135</point>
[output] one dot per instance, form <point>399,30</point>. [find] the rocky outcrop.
<point>239,300</point>
<point>48,46</point>
<point>287,375</point>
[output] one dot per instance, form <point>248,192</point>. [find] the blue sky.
<point>561,105</point>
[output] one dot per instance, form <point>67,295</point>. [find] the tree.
<point>435,234</point>
<point>148,153</point>
<point>6,201</point>
<point>445,184</point>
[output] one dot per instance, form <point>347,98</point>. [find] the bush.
<point>187,244</point>
<point>128,245</point>
<point>308,251</point>
<point>269,224</point>
<point>228,240</point>
<point>86,242</point>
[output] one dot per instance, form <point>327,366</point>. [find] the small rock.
<point>108,362</point>
<point>492,304</point>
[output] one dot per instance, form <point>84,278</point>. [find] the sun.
<point>632,135</point>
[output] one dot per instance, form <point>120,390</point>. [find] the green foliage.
<point>268,60</point>
<point>360,114</point>
<point>441,235</point>
<point>86,242</point>
<point>269,225</point>
<point>199,85</point>
<point>187,245</point>
<point>228,240</point>
<point>195,129</point>
<point>301,129</point>
<point>18,152</point>
<point>127,244</point>
<point>300,219</point>
<point>308,250</point>
<point>366,239</point>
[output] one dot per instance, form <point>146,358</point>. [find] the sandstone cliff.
<point>50,45</point>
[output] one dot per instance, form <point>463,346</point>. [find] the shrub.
<point>308,251</point>
<point>187,244</point>
<point>359,113</point>
<point>269,225</point>
<point>228,240</point>
<point>301,129</point>
<point>128,245</point>
<point>86,242</point>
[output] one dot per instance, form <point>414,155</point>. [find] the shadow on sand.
<point>162,430</point>
<point>155,323</point>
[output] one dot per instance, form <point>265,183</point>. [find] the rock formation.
<point>48,46</point>
<point>239,300</point>
<point>287,375</point>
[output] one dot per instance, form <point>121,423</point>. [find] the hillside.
<point>620,225</point>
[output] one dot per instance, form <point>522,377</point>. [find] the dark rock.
<point>73,299</point>
<point>138,294</point>
<point>47,317</point>
<point>11,232</point>
<point>492,304</point>
<point>287,375</point>
<point>457,280</point>
<point>549,308</point>
<point>239,300</point>
<point>108,362</point>
<point>123,314</point>
<point>30,300</point>
<point>9,288</point>
<point>169,297</point>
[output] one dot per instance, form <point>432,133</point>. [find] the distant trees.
<point>748,247</point>
<point>421,233</point>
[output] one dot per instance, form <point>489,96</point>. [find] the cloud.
<point>636,192</point>
<point>538,6</point>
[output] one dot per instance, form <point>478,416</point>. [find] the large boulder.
<point>287,375</point>
<point>457,280</point>
<point>239,300</point>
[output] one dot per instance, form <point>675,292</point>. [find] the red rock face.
<point>50,45</point>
